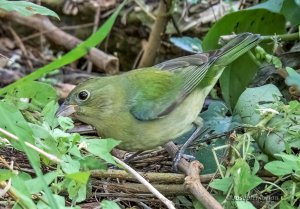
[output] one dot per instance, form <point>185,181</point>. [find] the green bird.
<point>148,107</point>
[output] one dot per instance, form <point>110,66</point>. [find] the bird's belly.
<point>145,135</point>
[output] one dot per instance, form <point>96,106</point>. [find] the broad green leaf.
<point>69,165</point>
<point>92,163</point>
<point>244,181</point>
<point>48,114</point>
<point>291,11</point>
<point>190,44</point>
<point>80,177</point>
<point>271,5</point>
<point>26,8</point>
<point>77,191</point>
<point>249,100</point>
<point>222,184</point>
<point>239,74</point>
<point>78,52</point>
<point>18,184</point>
<point>244,205</point>
<point>102,148</point>
<point>290,159</point>
<point>35,185</point>
<point>60,202</point>
<point>36,93</point>
<point>293,78</point>
<point>279,168</point>
<point>5,174</point>
<point>65,123</point>
<point>13,121</point>
<point>107,204</point>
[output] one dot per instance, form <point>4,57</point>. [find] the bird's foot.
<point>177,158</point>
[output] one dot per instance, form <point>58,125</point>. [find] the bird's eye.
<point>83,95</point>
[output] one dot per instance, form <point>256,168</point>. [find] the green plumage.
<point>148,107</point>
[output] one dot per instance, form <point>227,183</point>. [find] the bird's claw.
<point>177,158</point>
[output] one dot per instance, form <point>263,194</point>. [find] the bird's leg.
<point>198,122</point>
<point>131,157</point>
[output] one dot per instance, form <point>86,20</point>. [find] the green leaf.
<point>78,52</point>
<point>279,168</point>
<point>65,123</point>
<point>249,100</point>
<point>49,114</point>
<point>244,205</point>
<point>187,43</point>
<point>293,78</point>
<point>60,200</point>
<point>291,11</point>
<point>285,205</point>
<point>237,76</point>
<point>79,177</point>
<point>22,191</point>
<point>271,5</point>
<point>222,184</point>
<point>26,8</point>
<point>69,165</point>
<point>37,93</point>
<point>244,181</point>
<point>35,185</point>
<point>13,121</point>
<point>107,204</point>
<point>102,148</point>
<point>5,174</point>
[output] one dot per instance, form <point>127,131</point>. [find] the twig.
<point>166,189</point>
<point>103,61</point>
<point>42,152</point>
<point>150,176</point>
<point>155,35</point>
<point>21,46</point>
<point>281,37</point>
<point>193,183</point>
<point>96,23</point>
<point>167,202</point>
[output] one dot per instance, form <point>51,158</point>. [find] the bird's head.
<point>89,101</point>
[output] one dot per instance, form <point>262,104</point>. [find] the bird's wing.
<point>176,79</point>
<point>161,88</point>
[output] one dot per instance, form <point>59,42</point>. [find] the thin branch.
<point>155,36</point>
<point>154,191</point>
<point>42,152</point>
<point>193,181</point>
<point>103,61</point>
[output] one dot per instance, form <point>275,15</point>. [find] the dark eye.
<point>83,95</point>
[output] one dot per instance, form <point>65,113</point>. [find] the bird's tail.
<point>235,48</point>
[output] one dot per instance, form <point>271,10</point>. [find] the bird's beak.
<point>66,110</point>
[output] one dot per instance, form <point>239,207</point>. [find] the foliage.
<point>46,133</point>
<point>81,50</point>
<point>26,8</point>
<point>269,140</point>
<point>28,112</point>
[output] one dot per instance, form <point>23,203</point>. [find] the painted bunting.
<point>149,107</point>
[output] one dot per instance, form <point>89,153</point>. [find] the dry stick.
<point>103,61</point>
<point>96,23</point>
<point>136,188</point>
<point>174,178</point>
<point>154,191</point>
<point>42,152</point>
<point>193,181</point>
<point>155,35</point>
